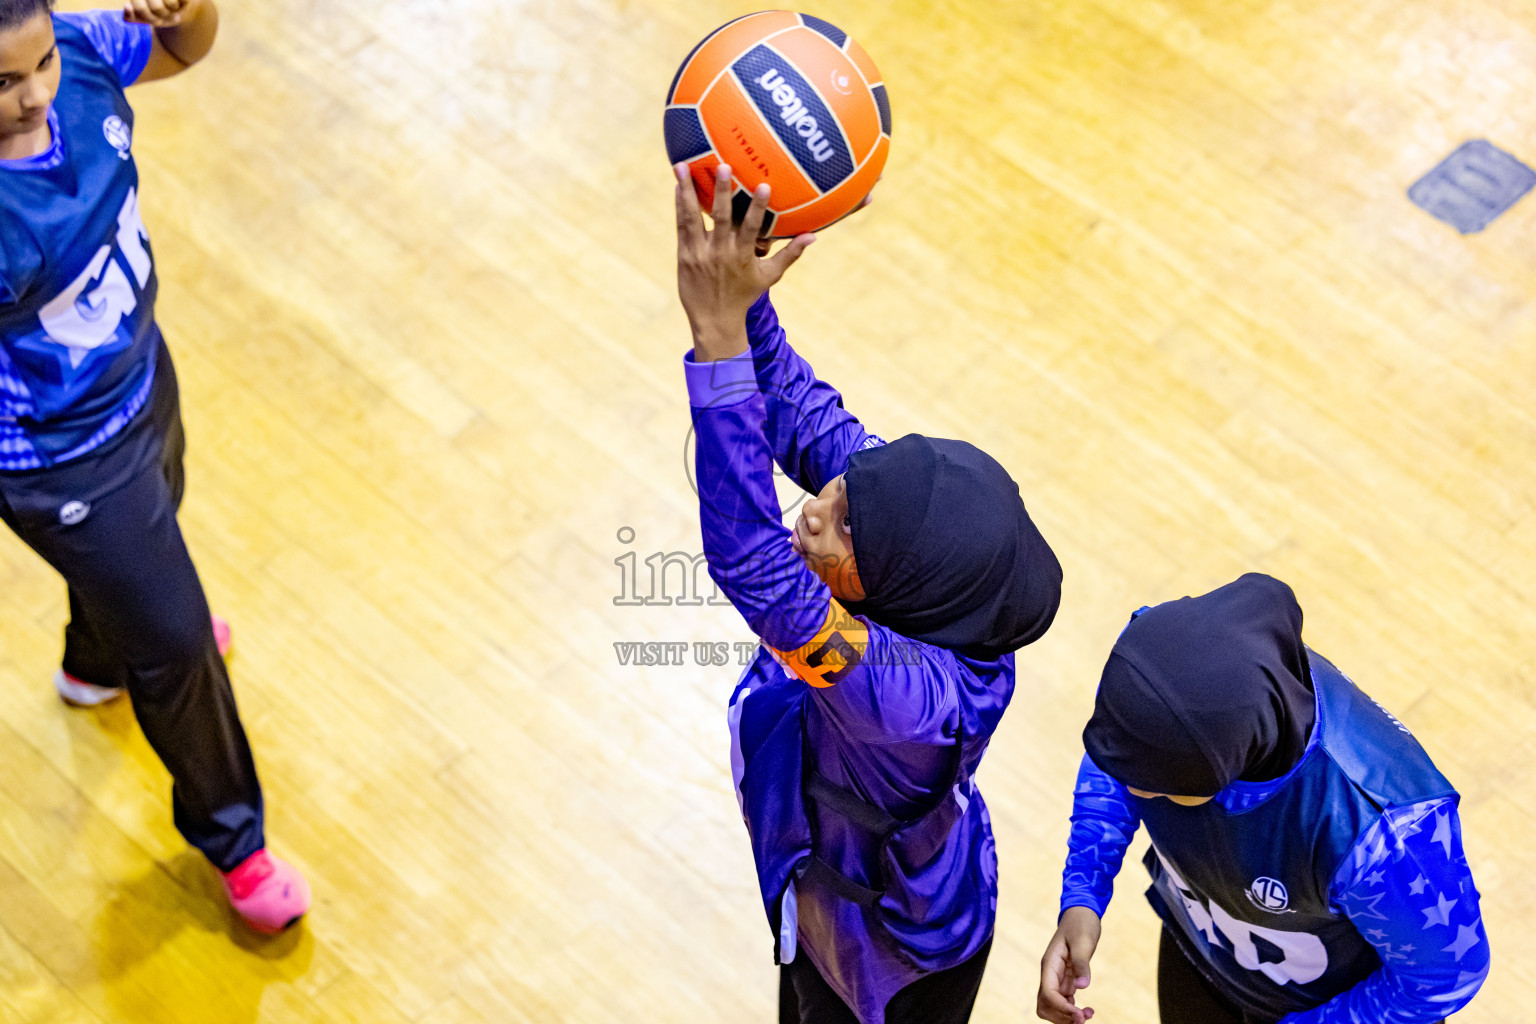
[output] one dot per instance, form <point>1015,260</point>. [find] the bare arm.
<point>184,33</point>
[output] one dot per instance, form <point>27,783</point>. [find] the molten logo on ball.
<point>785,99</point>
<point>792,110</point>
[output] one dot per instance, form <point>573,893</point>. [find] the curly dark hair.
<point>19,12</point>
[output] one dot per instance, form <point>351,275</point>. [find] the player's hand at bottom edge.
<point>157,13</point>
<point>1064,967</point>
<point>719,275</point>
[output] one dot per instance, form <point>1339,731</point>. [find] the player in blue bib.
<point>90,426</point>
<point>1306,855</point>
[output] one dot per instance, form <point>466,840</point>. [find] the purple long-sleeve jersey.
<point>884,726</point>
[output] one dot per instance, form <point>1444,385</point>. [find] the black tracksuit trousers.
<point>138,616</point>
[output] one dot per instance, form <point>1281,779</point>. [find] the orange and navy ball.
<point>783,98</point>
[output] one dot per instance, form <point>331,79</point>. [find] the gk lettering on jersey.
<point>836,649</point>
<point>85,315</point>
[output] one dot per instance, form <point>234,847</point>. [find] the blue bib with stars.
<point>77,328</point>
<point>1245,883</point>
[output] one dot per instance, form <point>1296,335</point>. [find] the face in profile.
<point>823,536</point>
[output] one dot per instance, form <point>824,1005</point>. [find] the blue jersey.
<point>1337,894</point>
<point>77,280</point>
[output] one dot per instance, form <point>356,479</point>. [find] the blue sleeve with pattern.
<point>125,46</point>
<point>1408,890</point>
<point>1103,824</point>
<point>810,432</point>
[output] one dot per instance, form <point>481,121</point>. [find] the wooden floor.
<point>416,264</point>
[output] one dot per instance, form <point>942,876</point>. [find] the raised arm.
<point>184,31</point>
<point>719,277</point>
<point>1408,891</point>
<point>810,432</point>
<point>150,39</point>
<point>876,684</point>
<point>872,689</point>
<point>745,542</point>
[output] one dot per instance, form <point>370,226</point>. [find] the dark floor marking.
<point>1472,186</point>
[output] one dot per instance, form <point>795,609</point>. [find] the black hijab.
<point>946,552</point>
<point>1206,690</point>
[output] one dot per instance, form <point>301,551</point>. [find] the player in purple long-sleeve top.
<point>1309,867</point>
<point>888,619</point>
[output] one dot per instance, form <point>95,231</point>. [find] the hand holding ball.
<point>788,100</point>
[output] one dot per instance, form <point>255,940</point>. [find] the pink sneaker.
<point>222,636</point>
<point>269,894</point>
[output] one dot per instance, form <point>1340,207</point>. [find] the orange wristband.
<point>836,649</point>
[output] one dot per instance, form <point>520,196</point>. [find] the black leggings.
<point>1183,994</point>
<point>943,997</point>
